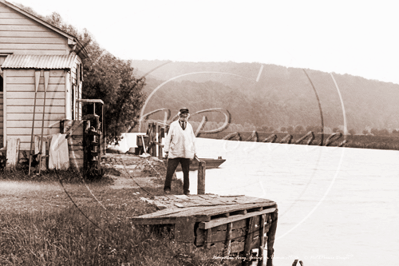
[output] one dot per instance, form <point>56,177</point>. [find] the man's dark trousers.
<point>172,165</point>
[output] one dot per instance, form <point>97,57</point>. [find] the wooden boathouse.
<point>36,56</point>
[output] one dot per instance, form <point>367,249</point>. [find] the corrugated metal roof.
<point>40,61</point>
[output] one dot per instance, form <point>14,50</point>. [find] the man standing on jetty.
<point>179,148</point>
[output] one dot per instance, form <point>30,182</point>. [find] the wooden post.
<point>262,238</point>
<point>271,234</point>
<point>208,238</point>
<point>12,153</point>
<point>184,232</point>
<point>201,177</point>
<point>227,246</point>
<point>248,240</point>
<point>157,145</point>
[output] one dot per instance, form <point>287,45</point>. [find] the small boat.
<point>210,163</point>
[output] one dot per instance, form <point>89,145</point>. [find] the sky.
<point>346,37</point>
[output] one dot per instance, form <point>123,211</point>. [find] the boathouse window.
<point>1,82</point>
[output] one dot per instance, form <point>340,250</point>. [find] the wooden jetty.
<point>230,225</point>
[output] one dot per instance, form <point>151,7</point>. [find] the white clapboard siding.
<point>31,80</point>
<point>23,35</point>
<point>39,102</point>
<point>38,123</point>
<point>34,34</point>
<point>30,95</point>
<point>20,104</point>
<point>22,40</point>
<point>29,109</point>
<point>20,131</point>
<point>26,87</point>
<point>1,115</point>
<point>38,116</point>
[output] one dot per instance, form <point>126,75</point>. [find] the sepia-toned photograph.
<point>199,133</point>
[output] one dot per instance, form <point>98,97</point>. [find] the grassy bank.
<point>68,238</point>
<point>47,222</point>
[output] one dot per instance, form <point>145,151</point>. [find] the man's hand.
<point>166,155</point>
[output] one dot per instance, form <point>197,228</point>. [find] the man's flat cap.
<point>184,110</point>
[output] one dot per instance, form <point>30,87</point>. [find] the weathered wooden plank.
<point>31,94</point>
<point>234,234</point>
<point>238,207</point>
<point>76,154</point>
<point>27,131</point>
<point>219,232</point>
<point>30,80</point>
<point>29,117</point>
<point>72,127</point>
<point>76,163</point>
<point>25,146</point>
<point>39,109</point>
<point>36,52</point>
<point>208,238</point>
<point>13,146</point>
<point>184,229</point>
<point>27,87</point>
<point>27,102</point>
<point>237,246</point>
<point>271,234</point>
<point>159,220</point>
<point>228,235</point>
<point>75,140</point>
<point>208,212</point>
<point>17,21</point>
<point>9,14</point>
<point>262,231</point>
<point>248,239</point>
<point>217,222</point>
<point>31,73</point>
<point>37,34</point>
<point>76,132</point>
<point>75,148</point>
<point>26,28</point>
<point>22,88</point>
<point>34,46</point>
<point>38,123</point>
<point>32,40</point>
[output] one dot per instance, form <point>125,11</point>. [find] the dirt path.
<point>129,174</point>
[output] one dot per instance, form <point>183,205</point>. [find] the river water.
<point>337,206</point>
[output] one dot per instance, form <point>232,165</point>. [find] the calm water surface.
<point>337,206</point>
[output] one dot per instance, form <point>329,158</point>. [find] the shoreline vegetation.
<point>384,142</point>
<point>62,219</point>
<point>59,218</point>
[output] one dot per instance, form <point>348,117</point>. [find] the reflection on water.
<point>337,206</point>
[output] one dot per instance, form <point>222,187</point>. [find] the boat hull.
<point>210,164</point>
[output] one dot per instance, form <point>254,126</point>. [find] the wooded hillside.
<point>281,97</point>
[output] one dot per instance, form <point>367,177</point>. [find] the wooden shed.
<point>35,55</point>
